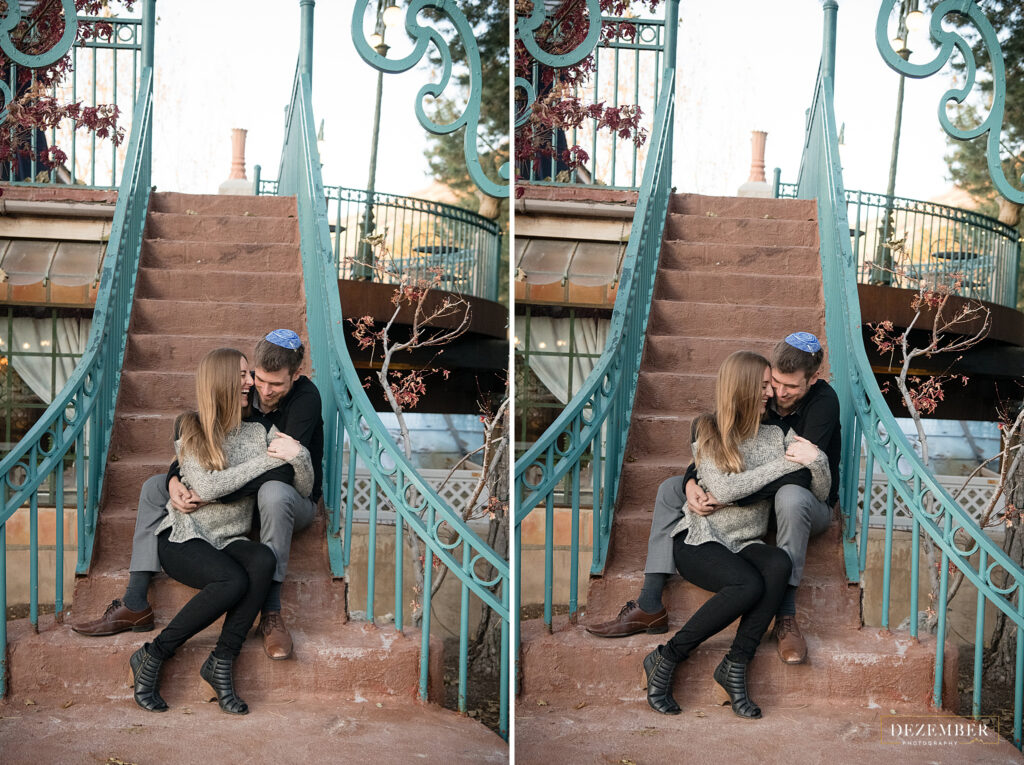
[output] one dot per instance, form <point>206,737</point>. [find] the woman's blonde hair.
<point>218,389</point>
<point>737,411</point>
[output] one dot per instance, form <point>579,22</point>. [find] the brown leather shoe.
<point>117,618</point>
<point>632,620</point>
<point>277,643</point>
<point>791,644</point>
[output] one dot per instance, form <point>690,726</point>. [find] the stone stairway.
<point>734,274</point>
<point>215,271</point>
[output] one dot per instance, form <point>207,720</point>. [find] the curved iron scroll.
<point>949,39</point>
<point>423,36</point>
<point>526,29</point>
<point>10,20</point>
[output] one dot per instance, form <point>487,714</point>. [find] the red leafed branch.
<point>558,107</point>
<point>33,107</point>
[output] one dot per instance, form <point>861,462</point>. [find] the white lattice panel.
<point>974,499</point>
<point>456,493</point>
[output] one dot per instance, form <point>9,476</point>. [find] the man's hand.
<point>698,500</point>
<point>183,499</point>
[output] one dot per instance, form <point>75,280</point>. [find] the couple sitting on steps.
<point>773,440</point>
<point>241,448</point>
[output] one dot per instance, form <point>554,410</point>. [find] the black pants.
<point>748,584</point>
<point>233,581</point>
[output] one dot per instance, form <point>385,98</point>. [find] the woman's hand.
<point>183,498</point>
<point>284,447</point>
<point>802,451</point>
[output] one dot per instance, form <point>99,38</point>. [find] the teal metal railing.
<point>868,425</point>
<point>594,425</point>
<point>941,241</point>
<point>628,63</point>
<point>81,416</point>
<point>423,237</point>
<point>105,70</point>
<point>351,422</point>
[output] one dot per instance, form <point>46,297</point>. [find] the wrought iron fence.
<point>423,238</point>
<point>105,69</point>
<point>628,64</point>
<point>866,421</point>
<point>81,416</point>
<point>350,422</point>
<point>941,243</point>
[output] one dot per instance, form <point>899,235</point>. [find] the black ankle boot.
<point>146,678</point>
<point>732,676</point>
<point>219,673</point>
<point>658,670</point>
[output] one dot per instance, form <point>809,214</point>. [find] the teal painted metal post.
<point>671,37</point>
<point>148,32</point>
<point>828,57</point>
<point>776,181</point>
<point>306,37</point>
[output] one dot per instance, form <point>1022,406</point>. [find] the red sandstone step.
<point>306,599</point>
<point>117,526</point>
<point>281,729</point>
<point>182,353</point>
<point>223,204</point>
<point>629,549</point>
<point>744,207</point>
<point>181,317</point>
<point>141,435</point>
<point>156,393</point>
<point>727,321</point>
<point>594,729</point>
<point>742,288</point>
<point>127,472</point>
<point>672,353</point>
<point>187,284</point>
<point>660,436</point>
<point>232,229</point>
<point>677,393</point>
<point>757,231</point>
<point>843,663</point>
<point>254,257</point>
<point>641,477</point>
<point>329,661</point>
<point>732,258</point>
<point>823,602</point>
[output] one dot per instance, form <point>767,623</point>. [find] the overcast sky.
<point>751,65</point>
<point>742,65</point>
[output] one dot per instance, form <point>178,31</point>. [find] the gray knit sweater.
<point>221,523</point>
<point>736,527</point>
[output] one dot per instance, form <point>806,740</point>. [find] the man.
<point>290,401</point>
<point>810,407</point>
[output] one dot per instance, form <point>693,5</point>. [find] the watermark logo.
<point>936,730</point>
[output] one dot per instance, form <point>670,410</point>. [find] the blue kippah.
<point>803,341</point>
<point>285,338</point>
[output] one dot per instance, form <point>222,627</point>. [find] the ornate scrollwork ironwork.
<point>423,36</point>
<point>948,40</point>
<point>526,30</point>
<point>9,21</point>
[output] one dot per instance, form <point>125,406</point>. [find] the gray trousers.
<point>283,511</point>
<point>799,516</point>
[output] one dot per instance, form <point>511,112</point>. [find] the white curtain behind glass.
<point>550,334</point>
<point>37,335</point>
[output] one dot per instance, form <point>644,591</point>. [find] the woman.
<point>721,549</point>
<point>208,548</point>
